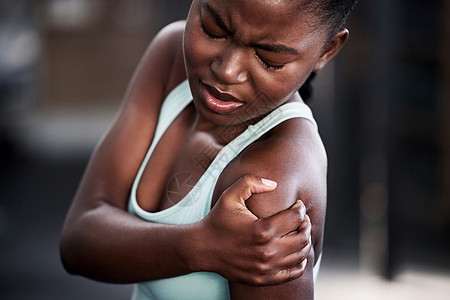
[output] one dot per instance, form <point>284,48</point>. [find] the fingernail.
<point>269,182</point>
<point>302,210</point>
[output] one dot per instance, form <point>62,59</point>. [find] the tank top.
<point>197,203</point>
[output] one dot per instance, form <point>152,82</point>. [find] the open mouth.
<point>221,103</point>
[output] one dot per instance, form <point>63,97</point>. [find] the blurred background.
<point>382,107</point>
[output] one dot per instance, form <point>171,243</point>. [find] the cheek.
<point>280,87</point>
<point>196,54</point>
<point>188,49</point>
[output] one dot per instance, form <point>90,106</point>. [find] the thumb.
<point>247,185</point>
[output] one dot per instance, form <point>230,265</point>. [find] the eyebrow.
<point>216,16</point>
<point>279,48</point>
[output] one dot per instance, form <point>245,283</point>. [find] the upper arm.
<point>114,163</point>
<point>296,160</point>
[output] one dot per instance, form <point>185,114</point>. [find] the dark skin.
<point>102,241</point>
<point>247,48</point>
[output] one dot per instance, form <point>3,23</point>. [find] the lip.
<point>220,102</point>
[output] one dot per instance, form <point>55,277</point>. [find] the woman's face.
<point>244,58</point>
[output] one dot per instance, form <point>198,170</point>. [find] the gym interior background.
<point>383,108</point>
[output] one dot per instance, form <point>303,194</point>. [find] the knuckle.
<point>299,257</point>
<point>305,235</point>
<point>301,260</point>
<point>307,221</point>
<point>259,280</point>
<point>265,256</point>
<point>263,237</point>
<point>263,269</point>
<point>289,275</point>
<point>302,266</point>
<point>302,255</point>
<point>305,240</point>
<point>248,179</point>
<point>302,209</point>
<point>263,233</point>
<point>298,274</point>
<point>263,273</point>
<point>302,269</point>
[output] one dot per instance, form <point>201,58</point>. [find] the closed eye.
<point>267,65</point>
<point>209,34</point>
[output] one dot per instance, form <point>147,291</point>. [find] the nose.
<point>229,66</point>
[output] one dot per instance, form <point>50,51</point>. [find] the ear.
<point>333,48</point>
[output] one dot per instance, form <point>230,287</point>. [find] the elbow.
<point>68,264</point>
<point>74,242</point>
<point>73,248</point>
<point>67,254</point>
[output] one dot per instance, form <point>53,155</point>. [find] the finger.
<point>301,237</point>
<point>288,220</point>
<point>306,224</point>
<point>289,274</point>
<point>247,185</point>
<point>296,258</point>
<point>295,243</point>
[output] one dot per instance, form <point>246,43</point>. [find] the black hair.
<point>332,13</point>
<point>332,16</point>
<point>306,89</point>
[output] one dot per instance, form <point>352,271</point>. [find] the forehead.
<point>265,20</point>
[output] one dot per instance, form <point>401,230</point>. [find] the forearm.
<point>108,244</point>
<point>300,289</point>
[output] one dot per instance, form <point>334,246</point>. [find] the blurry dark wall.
<point>390,152</point>
<point>382,108</point>
<point>64,67</point>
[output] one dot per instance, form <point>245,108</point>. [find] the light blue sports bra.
<point>197,203</point>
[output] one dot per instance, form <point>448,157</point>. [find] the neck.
<point>223,134</point>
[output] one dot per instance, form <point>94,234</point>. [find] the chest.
<point>178,161</point>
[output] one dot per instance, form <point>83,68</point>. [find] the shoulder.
<point>293,155</point>
<point>169,44</point>
<point>173,31</point>
<point>160,69</point>
<point>162,62</point>
<point>292,152</point>
<point>157,73</point>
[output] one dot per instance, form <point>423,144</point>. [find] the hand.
<point>243,248</point>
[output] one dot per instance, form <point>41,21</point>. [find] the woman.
<point>177,145</point>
